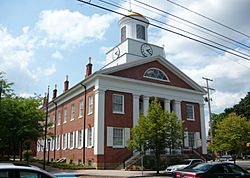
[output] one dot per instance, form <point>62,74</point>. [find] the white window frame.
<point>79,139</point>
<point>155,78</point>
<point>189,145</point>
<point>65,113</point>
<point>64,141</point>
<point>117,112</point>
<point>53,120</point>
<point>90,105</point>
<point>191,105</point>
<point>80,111</point>
<point>59,118</point>
<point>48,122</point>
<point>122,139</point>
<point>71,140</point>
<point>72,111</point>
<point>90,137</point>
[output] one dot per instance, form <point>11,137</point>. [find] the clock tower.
<point>134,42</point>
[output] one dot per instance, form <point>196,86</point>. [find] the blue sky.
<point>42,41</point>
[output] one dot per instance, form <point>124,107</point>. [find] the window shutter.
<point>109,136</point>
<point>73,139</point>
<point>186,139</point>
<point>92,130</point>
<point>77,139</point>
<point>197,139</point>
<point>82,140</point>
<point>68,140</point>
<point>86,138</point>
<point>126,136</point>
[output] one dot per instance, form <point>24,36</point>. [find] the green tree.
<point>231,134</point>
<point>157,131</point>
<point>20,120</point>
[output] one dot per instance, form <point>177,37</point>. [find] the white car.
<point>185,163</point>
<point>10,170</point>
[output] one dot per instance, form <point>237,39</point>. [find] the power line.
<point>157,26</point>
<point>219,23</point>
<point>179,29</point>
<point>200,30</point>
<point>242,44</point>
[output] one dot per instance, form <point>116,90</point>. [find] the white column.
<point>136,111</point>
<point>167,105</point>
<point>177,108</point>
<point>203,130</point>
<point>99,122</point>
<point>145,105</point>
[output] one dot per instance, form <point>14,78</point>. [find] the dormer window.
<point>157,74</point>
<point>140,32</point>
<point>123,33</point>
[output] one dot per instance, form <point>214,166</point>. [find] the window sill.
<point>79,117</point>
<point>119,146</point>
<point>114,112</point>
<point>188,119</point>
<point>72,119</point>
<point>90,113</point>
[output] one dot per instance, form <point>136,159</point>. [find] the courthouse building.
<point>111,99</point>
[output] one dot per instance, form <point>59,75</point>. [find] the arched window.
<point>155,73</point>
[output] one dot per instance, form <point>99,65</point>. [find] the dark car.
<point>212,170</point>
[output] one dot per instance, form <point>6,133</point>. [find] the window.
<point>117,137</point>
<point>64,145</point>
<point>191,139</point>
<point>90,137</point>
<point>123,34</point>
<point>155,73</point>
<point>58,142</point>
<point>118,103</point>
<point>71,140</point>
<point>80,109</point>
<point>140,32</point>
<point>90,105</point>
<point>58,118</point>
<point>79,139</point>
<point>65,115</point>
<point>190,112</point>
<point>72,114</point>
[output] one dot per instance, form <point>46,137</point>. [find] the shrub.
<point>27,154</point>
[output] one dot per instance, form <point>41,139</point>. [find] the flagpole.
<point>46,124</point>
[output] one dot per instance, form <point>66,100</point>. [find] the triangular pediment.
<point>138,71</point>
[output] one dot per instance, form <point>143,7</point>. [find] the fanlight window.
<point>154,73</point>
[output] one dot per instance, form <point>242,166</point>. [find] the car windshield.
<point>202,167</point>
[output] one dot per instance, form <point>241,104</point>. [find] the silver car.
<point>14,170</point>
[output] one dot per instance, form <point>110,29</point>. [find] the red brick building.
<point>135,73</point>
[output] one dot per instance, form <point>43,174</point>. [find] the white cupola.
<point>134,26</point>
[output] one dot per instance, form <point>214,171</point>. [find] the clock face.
<point>146,50</point>
<point>116,53</point>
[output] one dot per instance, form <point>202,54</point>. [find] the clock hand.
<point>149,51</point>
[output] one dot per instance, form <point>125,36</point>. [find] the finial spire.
<point>130,8</point>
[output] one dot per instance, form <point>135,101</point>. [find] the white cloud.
<point>72,27</point>
<point>57,55</point>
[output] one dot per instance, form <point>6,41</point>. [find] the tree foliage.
<point>157,131</point>
<point>231,134</point>
<point>20,120</point>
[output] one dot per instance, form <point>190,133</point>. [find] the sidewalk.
<point>111,173</point>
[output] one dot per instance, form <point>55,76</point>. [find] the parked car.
<point>213,170</point>
<point>185,163</point>
<point>14,170</point>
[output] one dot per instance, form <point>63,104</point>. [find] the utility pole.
<point>208,100</point>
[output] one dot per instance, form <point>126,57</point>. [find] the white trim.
<point>145,105</point>
<point>109,136</point>
<point>126,136</point>
<point>203,130</point>
<point>90,103</point>
<point>99,120</point>
<point>136,109</point>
